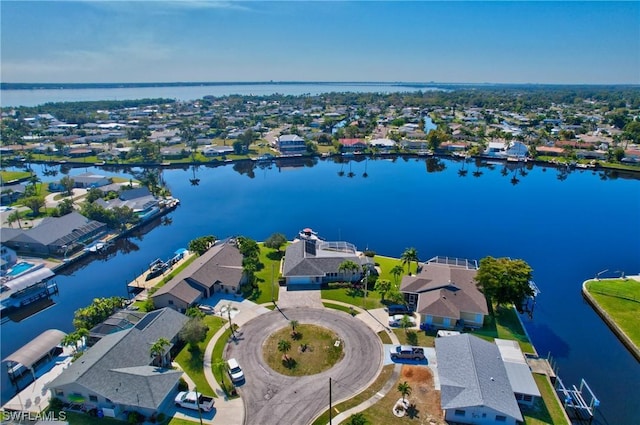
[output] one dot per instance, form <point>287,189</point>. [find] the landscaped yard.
<point>547,412</point>
<point>221,375</point>
<point>424,398</point>
<point>192,362</point>
<point>7,176</point>
<point>620,298</point>
<point>504,323</point>
<point>422,338</point>
<point>267,276</point>
<point>377,385</point>
<point>312,349</point>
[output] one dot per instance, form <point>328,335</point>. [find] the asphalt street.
<point>272,398</point>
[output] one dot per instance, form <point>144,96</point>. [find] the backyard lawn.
<point>547,412</point>
<point>620,298</point>
<point>267,276</point>
<point>7,176</point>
<point>503,323</point>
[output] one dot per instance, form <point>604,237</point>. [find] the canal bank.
<point>610,321</point>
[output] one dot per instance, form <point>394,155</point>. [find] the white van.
<point>235,371</point>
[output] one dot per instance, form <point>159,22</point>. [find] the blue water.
<point>19,268</point>
<point>428,124</point>
<point>186,93</point>
<point>567,227</point>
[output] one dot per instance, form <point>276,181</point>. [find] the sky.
<point>87,41</point>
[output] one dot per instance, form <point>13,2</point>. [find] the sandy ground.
<point>423,394</point>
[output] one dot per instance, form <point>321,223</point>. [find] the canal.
<point>567,224</point>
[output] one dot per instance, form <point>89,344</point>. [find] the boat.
<point>26,289</point>
<point>156,268</point>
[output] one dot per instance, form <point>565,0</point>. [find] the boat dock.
<point>145,282</point>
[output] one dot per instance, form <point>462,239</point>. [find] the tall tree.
<point>383,286</point>
<point>397,271</point>
<point>194,331</point>
<point>275,241</point>
<point>505,281</point>
<point>349,267</point>
<point>404,389</point>
<point>408,256</point>
<point>14,217</point>
<point>34,203</point>
<point>157,351</point>
<point>67,184</point>
<point>202,244</point>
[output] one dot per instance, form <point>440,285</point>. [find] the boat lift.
<point>582,402</point>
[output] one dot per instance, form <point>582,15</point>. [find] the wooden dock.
<point>141,282</point>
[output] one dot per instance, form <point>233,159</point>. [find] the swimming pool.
<point>20,268</point>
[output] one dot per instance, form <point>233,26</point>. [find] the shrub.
<point>369,253</point>
<point>56,404</point>
<point>182,385</point>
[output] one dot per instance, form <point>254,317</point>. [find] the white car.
<point>396,320</point>
<point>235,371</point>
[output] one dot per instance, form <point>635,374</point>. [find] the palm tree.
<point>284,346</point>
<point>409,255</point>
<point>404,389</point>
<point>220,366</point>
<point>293,324</point>
<point>157,351</point>
<point>405,323</point>
<point>14,217</point>
<point>397,271</point>
<point>350,267</point>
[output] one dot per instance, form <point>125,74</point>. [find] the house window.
<point>527,397</point>
<point>93,398</point>
<point>170,302</point>
<point>59,393</point>
<point>518,396</point>
<point>459,412</point>
<point>500,418</point>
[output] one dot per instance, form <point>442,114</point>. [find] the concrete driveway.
<point>271,398</point>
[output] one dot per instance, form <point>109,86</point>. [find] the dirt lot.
<point>425,400</point>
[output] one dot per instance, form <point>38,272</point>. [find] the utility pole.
<point>273,268</point>
<point>198,404</point>
<point>330,406</point>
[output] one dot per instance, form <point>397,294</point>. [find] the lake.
<point>186,93</point>
<point>568,225</point>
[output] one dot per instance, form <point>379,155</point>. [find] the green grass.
<point>353,296</point>
<point>7,176</point>
<point>621,300</point>
<point>422,339</point>
<point>339,307</point>
<point>387,263</point>
<point>319,355</point>
<point>546,410</point>
<point>82,419</point>
<point>377,385</point>
<point>218,351</point>
<point>504,323</point>
<point>384,337</point>
<point>192,362</point>
<point>270,258</point>
<point>179,421</point>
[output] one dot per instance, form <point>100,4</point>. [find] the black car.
<point>394,309</point>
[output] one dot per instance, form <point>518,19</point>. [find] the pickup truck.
<point>187,399</point>
<point>406,352</point>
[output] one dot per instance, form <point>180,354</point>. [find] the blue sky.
<point>475,42</point>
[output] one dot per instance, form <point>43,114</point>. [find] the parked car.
<point>397,320</point>
<point>235,371</point>
<point>194,401</point>
<point>394,309</point>
<point>406,352</point>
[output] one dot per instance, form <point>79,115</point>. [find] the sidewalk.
<point>232,412</point>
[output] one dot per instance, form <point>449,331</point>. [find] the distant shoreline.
<point>426,85</point>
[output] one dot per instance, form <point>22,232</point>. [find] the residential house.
<point>119,374</point>
<point>210,150</point>
<point>8,258</point>
<point>11,193</point>
<point>383,144</point>
<point>140,200</point>
<point>89,180</point>
<point>54,236</point>
<point>291,144</point>
<point>218,269</point>
<point>550,150</point>
<point>118,321</point>
<point>351,145</point>
<point>518,371</point>
<point>517,149</point>
<point>474,385</point>
<point>445,294</point>
<point>316,262</point>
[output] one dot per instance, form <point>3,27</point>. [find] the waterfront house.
<point>445,294</point>
<point>218,269</point>
<point>316,262</point>
<point>518,371</point>
<point>211,150</point>
<point>11,193</point>
<point>351,145</point>
<point>54,236</point>
<point>119,374</point>
<point>474,385</point>
<point>140,200</point>
<point>383,144</point>
<point>8,258</point>
<point>291,144</point>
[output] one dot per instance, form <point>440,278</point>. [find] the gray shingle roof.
<point>445,290</point>
<point>59,230</point>
<point>472,374</point>
<point>220,264</point>
<point>297,262</point>
<point>118,366</point>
